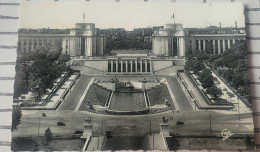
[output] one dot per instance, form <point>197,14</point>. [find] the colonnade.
<point>129,66</point>
<point>219,45</point>
<point>29,44</point>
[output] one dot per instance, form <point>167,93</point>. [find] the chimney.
<point>219,24</point>
<point>235,24</point>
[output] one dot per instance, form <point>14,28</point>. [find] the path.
<point>74,96</point>
<point>183,103</point>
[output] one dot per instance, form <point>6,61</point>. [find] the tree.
<point>249,143</point>
<point>237,80</point>
<point>41,67</point>
<point>54,53</point>
<point>194,65</point>
<point>16,117</point>
<point>47,137</point>
<point>228,75</point>
<point>63,58</point>
<point>206,78</point>
<point>214,91</point>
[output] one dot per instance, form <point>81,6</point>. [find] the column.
<point>145,67</point>
<point>214,47</point>
<point>22,45</point>
<point>131,64</point>
<point>150,66</point>
<point>135,65</point>
<point>121,65</point>
<point>224,45</point>
<point>112,66</point>
<point>38,42</point>
<point>126,66</point>
<point>178,50</point>
<point>181,47</point>
<point>116,65</point>
<point>219,47</point>
<point>32,47</point>
<point>199,45</point>
<point>228,43</point>
<point>204,45</point>
<point>27,45</point>
<point>141,66</point>
<point>234,41</point>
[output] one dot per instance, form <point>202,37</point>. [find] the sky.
<point>129,15</point>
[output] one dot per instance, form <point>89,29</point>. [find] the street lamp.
<point>238,109</point>
<point>39,122</point>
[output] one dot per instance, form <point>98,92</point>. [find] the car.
<point>108,134</point>
<point>44,114</point>
<point>180,123</point>
<point>60,123</point>
<point>78,132</point>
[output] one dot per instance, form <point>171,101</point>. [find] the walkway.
<point>74,96</point>
<point>242,107</point>
<point>55,98</point>
<point>183,103</point>
<point>194,90</point>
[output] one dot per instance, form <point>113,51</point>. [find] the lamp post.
<point>238,109</point>
<point>39,123</point>
<point>150,126</point>
<point>39,127</point>
<point>210,131</point>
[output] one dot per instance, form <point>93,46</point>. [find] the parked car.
<point>44,114</point>
<point>60,123</point>
<point>180,123</point>
<point>108,134</point>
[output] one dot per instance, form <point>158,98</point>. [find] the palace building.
<point>170,44</point>
<point>174,40</point>
<point>84,40</point>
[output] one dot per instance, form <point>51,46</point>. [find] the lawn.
<point>96,95</point>
<point>159,94</point>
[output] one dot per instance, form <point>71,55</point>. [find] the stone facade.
<point>174,40</point>
<point>169,41</point>
<point>84,40</point>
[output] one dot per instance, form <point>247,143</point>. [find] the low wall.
<point>127,112</point>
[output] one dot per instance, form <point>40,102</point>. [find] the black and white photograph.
<point>164,76</point>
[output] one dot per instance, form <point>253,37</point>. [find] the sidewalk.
<point>156,142</point>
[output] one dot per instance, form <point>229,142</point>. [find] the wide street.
<point>195,123</point>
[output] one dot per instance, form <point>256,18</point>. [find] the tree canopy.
<point>47,137</point>
<point>206,78</point>
<point>214,91</point>
<point>16,117</point>
<point>37,70</point>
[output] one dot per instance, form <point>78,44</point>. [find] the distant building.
<point>84,40</point>
<point>174,40</point>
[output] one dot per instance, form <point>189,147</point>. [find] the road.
<point>196,122</point>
